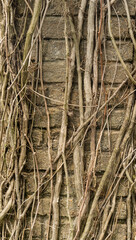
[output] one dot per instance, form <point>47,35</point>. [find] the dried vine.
<point>21,76</point>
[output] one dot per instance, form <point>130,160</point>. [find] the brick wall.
<point>54,78</point>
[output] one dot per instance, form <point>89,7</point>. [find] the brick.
<point>121,210</point>
<point>53,50</point>
<point>114,120</point>
<point>53,27</point>
<point>54,71</point>
<point>57,7</point>
<point>72,207</point>
<point>40,119</point>
<point>37,137</point>
<point>65,229</point>
<point>119,27</point>
<point>120,232</point>
<point>42,159</point>
<point>42,150</point>
<point>115,73</point>
<point>40,228</point>
<point>30,183</point>
<point>102,161</point>
<point>120,100</point>
<point>134,227</point>
<point>42,141</point>
<point>123,187</point>
<point>44,206</point>
<point>54,91</point>
<point>125,48</point>
<point>37,227</point>
<point>107,142</point>
<point>71,186</point>
<point>120,10</point>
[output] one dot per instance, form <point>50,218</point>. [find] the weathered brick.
<point>114,120</point>
<point>54,92</point>
<point>65,229</point>
<point>53,50</point>
<point>37,137</point>
<point>125,49</point>
<point>57,7</point>
<point>37,227</point>
<point>119,27</point>
<point>41,150</point>
<point>114,73</point>
<point>40,119</point>
<point>102,161</point>
<point>40,138</point>
<point>71,186</point>
<point>44,206</point>
<point>54,71</point>
<point>121,210</point>
<point>120,10</point>
<point>123,187</point>
<point>107,141</point>
<point>30,183</point>
<point>42,159</point>
<point>72,207</point>
<point>120,232</point>
<point>53,27</point>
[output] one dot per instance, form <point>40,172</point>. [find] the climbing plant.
<point>20,76</point>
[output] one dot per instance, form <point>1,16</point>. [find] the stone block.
<point>64,230</point>
<point>54,72</point>
<point>37,231</point>
<point>114,120</point>
<point>114,73</point>
<point>44,206</point>
<point>123,187</point>
<point>57,7</point>
<point>120,232</point>
<point>41,150</point>
<point>54,93</point>
<point>108,140</point>
<point>37,137</point>
<point>119,27</point>
<point>120,9</point>
<point>40,138</point>
<point>42,159</point>
<point>40,118</point>
<point>121,210</point>
<point>71,186</point>
<point>125,49</point>
<point>30,183</point>
<point>53,27</point>
<point>73,209</point>
<point>53,50</point>
<point>134,227</point>
<point>102,161</point>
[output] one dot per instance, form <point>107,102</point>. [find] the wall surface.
<point>54,78</point>
<point>54,75</point>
